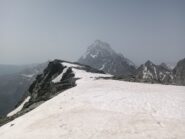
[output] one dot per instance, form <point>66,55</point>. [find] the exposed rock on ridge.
<point>179,72</point>
<point>150,72</point>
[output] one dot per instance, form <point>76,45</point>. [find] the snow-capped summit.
<point>98,48</point>
<point>149,63</point>
<point>101,56</point>
<point>149,72</point>
<point>102,45</point>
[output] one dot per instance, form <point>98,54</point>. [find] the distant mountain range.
<point>101,56</point>
<point>149,72</point>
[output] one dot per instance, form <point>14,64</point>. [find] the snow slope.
<point>105,109</point>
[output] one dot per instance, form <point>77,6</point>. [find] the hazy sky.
<point>33,31</point>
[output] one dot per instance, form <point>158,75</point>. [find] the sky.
<point>34,31</point>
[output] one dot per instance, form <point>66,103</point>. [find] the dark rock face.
<point>43,88</point>
<point>179,72</point>
<point>101,56</point>
<point>163,65</point>
<point>150,72</point>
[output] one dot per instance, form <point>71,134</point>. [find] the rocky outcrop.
<point>152,73</point>
<point>43,88</point>
<point>165,66</point>
<point>179,72</point>
<point>101,56</point>
<point>49,84</point>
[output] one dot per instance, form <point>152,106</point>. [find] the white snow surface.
<point>70,65</point>
<point>28,75</point>
<point>105,109</point>
<point>19,108</point>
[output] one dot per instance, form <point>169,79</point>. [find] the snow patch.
<point>28,75</point>
<point>155,72</point>
<point>83,75</point>
<point>146,73</point>
<point>59,77</point>
<point>163,77</point>
<point>19,108</point>
<point>93,56</point>
<point>171,76</point>
<point>103,66</point>
<point>70,65</point>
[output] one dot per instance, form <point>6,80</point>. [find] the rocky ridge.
<point>179,72</point>
<point>149,72</point>
<point>55,79</point>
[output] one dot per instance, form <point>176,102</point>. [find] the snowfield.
<point>105,109</point>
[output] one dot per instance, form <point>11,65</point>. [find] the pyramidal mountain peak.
<point>101,56</point>
<point>98,48</point>
<point>149,63</point>
<point>100,44</point>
